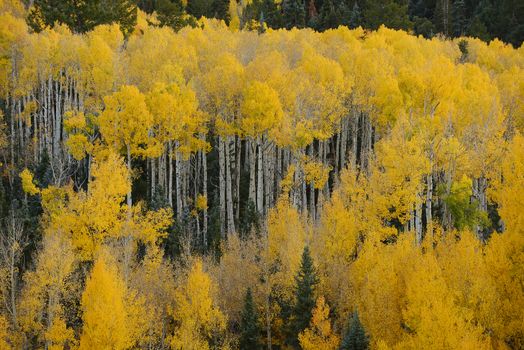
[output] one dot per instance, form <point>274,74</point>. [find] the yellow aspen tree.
<point>283,242</point>
<point>28,182</point>
<point>338,238</point>
<point>47,289</point>
<point>511,86</point>
<point>97,216</point>
<point>125,124</point>
<point>220,94</point>
<point>432,315</point>
<point>238,254</point>
<point>319,334</point>
<point>99,65</point>
<point>177,129</point>
<point>89,218</point>
<point>379,276</point>
<point>197,318</point>
<point>234,13</point>
<point>504,254</point>
<point>107,322</point>
<point>153,280</point>
<point>4,334</point>
<point>397,177</point>
<point>81,134</point>
<point>475,289</point>
<point>262,114</point>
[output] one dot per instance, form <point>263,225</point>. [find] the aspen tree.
<point>319,333</point>
<point>105,290</point>
<point>46,291</point>
<point>261,113</point>
<point>223,86</point>
<point>195,313</point>
<point>125,123</point>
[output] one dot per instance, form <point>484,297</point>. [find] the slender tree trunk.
<point>252,171</point>
<point>278,171</point>
<point>204,190</point>
<point>153,177</point>
<point>311,187</point>
<point>229,194</point>
<point>178,186</point>
<point>169,158</point>
<point>129,199</point>
<point>260,177</point>
<point>418,221</point>
<point>268,160</point>
<point>238,170</point>
<point>222,185</point>
<point>354,138</point>
<point>479,194</point>
<point>429,201</point>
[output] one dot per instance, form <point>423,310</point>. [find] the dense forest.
<point>277,177</point>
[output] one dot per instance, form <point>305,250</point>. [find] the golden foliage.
<point>196,316</point>
<point>319,335</point>
<point>105,290</point>
<point>28,183</point>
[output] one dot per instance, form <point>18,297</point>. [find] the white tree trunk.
<point>429,202</point>
<point>129,199</point>
<point>229,192</point>
<point>222,185</point>
<point>260,177</point>
<point>252,172</point>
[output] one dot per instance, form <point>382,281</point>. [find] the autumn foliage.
<point>151,182</point>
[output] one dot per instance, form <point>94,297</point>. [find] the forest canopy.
<point>220,185</point>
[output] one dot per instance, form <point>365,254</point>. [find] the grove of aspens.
<point>297,174</point>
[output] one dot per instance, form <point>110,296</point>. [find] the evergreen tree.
<point>306,281</point>
<point>391,13</point>
<point>486,13</point>
<point>418,8</point>
<point>82,16</point>
<point>207,8</point>
<point>220,9</point>
<point>355,338</point>
<point>172,14</point>
<point>424,27</point>
<point>313,19</point>
<point>460,22</point>
<point>294,13</point>
<point>271,14</point>
<point>478,29</point>
<point>463,47</point>
<point>355,19</point>
<point>329,16</point>
<point>442,17</point>
<point>249,328</point>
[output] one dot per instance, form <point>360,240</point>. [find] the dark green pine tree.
<point>249,327</point>
<point>355,337</point>
<point>82,16</point>
<point>477,29</point>
<point>329,16</point>
<point>418,8</point>
<point>171,13</point>
<point>270,14</point>
<point>442,17</point>
<point>294,13</point>
<point>207,8</point>
<point>391,13</point>
<point>306,281</point>
<point>355,19</point>
<point>220,9</point>
<point>460,21</point>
